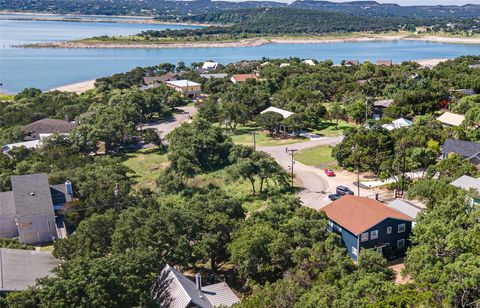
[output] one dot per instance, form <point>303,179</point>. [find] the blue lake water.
<point>49,68</point>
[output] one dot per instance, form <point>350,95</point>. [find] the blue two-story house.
<point>369,224</point>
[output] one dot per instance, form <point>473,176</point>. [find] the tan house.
<point>452,119</point>
<point>385,63</point>
<point>186,87</point>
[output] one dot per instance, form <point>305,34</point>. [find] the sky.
<point>423,2</point>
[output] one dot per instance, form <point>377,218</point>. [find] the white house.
<point>452,119</point>
<point>209,66</point>
<point>285,114</point>
<point>398,123</point>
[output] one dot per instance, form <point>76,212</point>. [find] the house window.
<point>401,228</point>
<point>389,230</point>
<point>354,251</point>
<point>401,243</point>
<point>374,235</point>
<point>364,237</point>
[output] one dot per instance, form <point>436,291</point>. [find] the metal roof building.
<point>185,293</point>
<point>405,207</point>
<point>20,268</point>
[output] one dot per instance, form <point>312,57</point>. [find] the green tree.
<point>269,121</point>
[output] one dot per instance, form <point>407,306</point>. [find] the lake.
<point>49,68</point>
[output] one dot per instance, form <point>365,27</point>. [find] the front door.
<point>380,250</point>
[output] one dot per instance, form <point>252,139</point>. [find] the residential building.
<point>465,92</point>
<point>379,106</point>
<point>213,76</point>
<point>285,114</point>
<point>385,63</point>
<point>33,144</point>
<point>366,223</point>
<point>32,210</point>
<point>284,65</point>
<point>352,63</point>
<point>469,184</point>
<point>398,123</point>
<point>19,268</point>
<point>406,207</point>
<point>474,66</point>
<point>209,66</point>
<point>186,87</point>
<point>184,293</point>
<point>238,78</point>
<point>154,81</point>
<point>46,127</point>
<point>466,149</point>
<point>309,62</point>
<point>451,119</point>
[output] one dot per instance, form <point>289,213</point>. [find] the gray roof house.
<point>467,182</point>
<point>45,127</point>
<point>405,207</point>
<point>20,268</point>
<point>28,211</point>
<point>185,293</point>
<point>465,149</point>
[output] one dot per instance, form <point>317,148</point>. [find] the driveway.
<point>316,186</point>
<point>165,127</point>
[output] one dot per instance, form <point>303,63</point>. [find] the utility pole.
<point>292,152</point>
<point>117,193</point>
<point>254,133</point>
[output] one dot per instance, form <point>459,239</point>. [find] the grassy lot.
<point>315,156</point>
<point>240,189</point>
<point>6,97</point>
<point>243,136</point>
<point>146,166</point>
<point>329,129</point>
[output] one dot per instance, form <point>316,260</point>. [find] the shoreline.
<point>122,19</point>
<point>83,86</point>
<point>77,87</point>
<point>253,42</point>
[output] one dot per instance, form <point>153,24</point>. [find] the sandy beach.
<point>78,87</point>
<point>252,42</point>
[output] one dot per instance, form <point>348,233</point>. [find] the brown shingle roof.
<point>358,214</point>
<point>49,126</point>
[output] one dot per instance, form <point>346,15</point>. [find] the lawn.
<point>329,129</point>
<point>315,156</point>
<point>6,97</point>
<point>146,166</point>
<point>243,135</point>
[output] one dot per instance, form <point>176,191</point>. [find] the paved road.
<point>165,127</point>
<point>316,186</point>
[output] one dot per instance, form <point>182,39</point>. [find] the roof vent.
<point>198,281</point>
<point>32,194</point>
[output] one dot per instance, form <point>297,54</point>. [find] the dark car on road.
<point>342,191</point>
<point>334,197</point>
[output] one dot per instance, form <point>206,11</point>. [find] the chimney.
<point>69,188</point>
<point>198,281</point>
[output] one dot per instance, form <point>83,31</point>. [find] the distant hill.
<point>174,9</point>
<point>375,9</point>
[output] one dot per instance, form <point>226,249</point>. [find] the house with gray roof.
<point>32,210</point>
<point>184,293</point>
<point>46,127</point>
<point>466,149</point>
<point>469,184</point>
<point>19,269</point>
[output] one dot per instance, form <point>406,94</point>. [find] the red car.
<point>329,172</point>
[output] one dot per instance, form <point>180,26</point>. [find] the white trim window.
<point>354,251</point>
<point>389,230</point>
<point>401,228</point>
<point>364,237</point>
<point>374,234</point>
<point>401,243</point>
